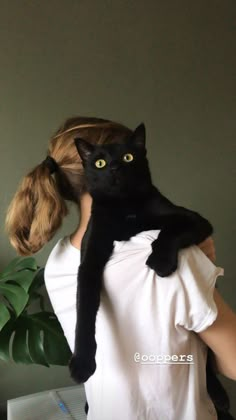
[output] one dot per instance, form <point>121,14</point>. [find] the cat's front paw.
<point>82,367</point>
<point>163,262</point>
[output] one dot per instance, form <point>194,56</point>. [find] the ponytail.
<point>39,205</point>
<point>36,211</point>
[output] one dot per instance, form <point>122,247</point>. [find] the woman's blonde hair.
<point>39,205</point>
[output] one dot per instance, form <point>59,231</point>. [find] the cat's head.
<point>116,170</point>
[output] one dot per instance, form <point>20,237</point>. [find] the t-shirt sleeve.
<point>61,284</point>
<point>197,275</point>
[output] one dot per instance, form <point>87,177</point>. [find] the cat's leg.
<point>164,256</point>
<point>178,230</point>
<point>82,364</point>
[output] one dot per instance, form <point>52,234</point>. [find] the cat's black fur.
<point>126,202</point>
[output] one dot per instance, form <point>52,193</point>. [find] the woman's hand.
<point>208,247</point>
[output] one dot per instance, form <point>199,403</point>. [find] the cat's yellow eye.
<point>100,163</point>
<point>128,157</point>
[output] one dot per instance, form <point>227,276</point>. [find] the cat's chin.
<point>110,197</point>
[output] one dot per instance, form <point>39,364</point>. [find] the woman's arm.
<point>221,338</point>
<point>221,335</point>
<point>208,247</point>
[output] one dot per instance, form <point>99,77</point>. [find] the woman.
<point>142,319</point>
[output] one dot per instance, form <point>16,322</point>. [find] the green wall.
<point>170,64</point>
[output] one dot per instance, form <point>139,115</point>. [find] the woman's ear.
<point>84,148</point>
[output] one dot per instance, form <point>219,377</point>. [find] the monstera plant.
<point>26,335</point>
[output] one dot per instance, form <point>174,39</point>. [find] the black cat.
<point>125,202</point>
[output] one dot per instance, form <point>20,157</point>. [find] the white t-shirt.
<point>142,319</point>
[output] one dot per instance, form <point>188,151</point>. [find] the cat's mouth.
<point>116,180</point>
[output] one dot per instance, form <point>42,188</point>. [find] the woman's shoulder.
<point>63,255</point>
<point>64,245</point>
<point>60,277</point>
<point>193,260</point>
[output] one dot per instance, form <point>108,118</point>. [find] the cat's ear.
<point>84,148</point>
<point>138,138</point>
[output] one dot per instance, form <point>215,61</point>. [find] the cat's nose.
<point>114,165</point>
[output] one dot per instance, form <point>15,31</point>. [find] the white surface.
<point>46,405</point>
<point>142,312</point>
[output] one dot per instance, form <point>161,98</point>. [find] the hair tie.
<point>51,164</point>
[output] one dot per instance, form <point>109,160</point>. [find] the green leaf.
<point>57,350</point>
<point>5,337</point>
<point>46,321</point>
<point>15,295</point>
<point>55,345</point>
<point>38,280</point>
<point>4,315</point>
<point>23,278</point>
<point>28,338</point>
<point>36,345</point>
<point>20,349</point>
<point>37,338</point>
<point>19,263</point>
